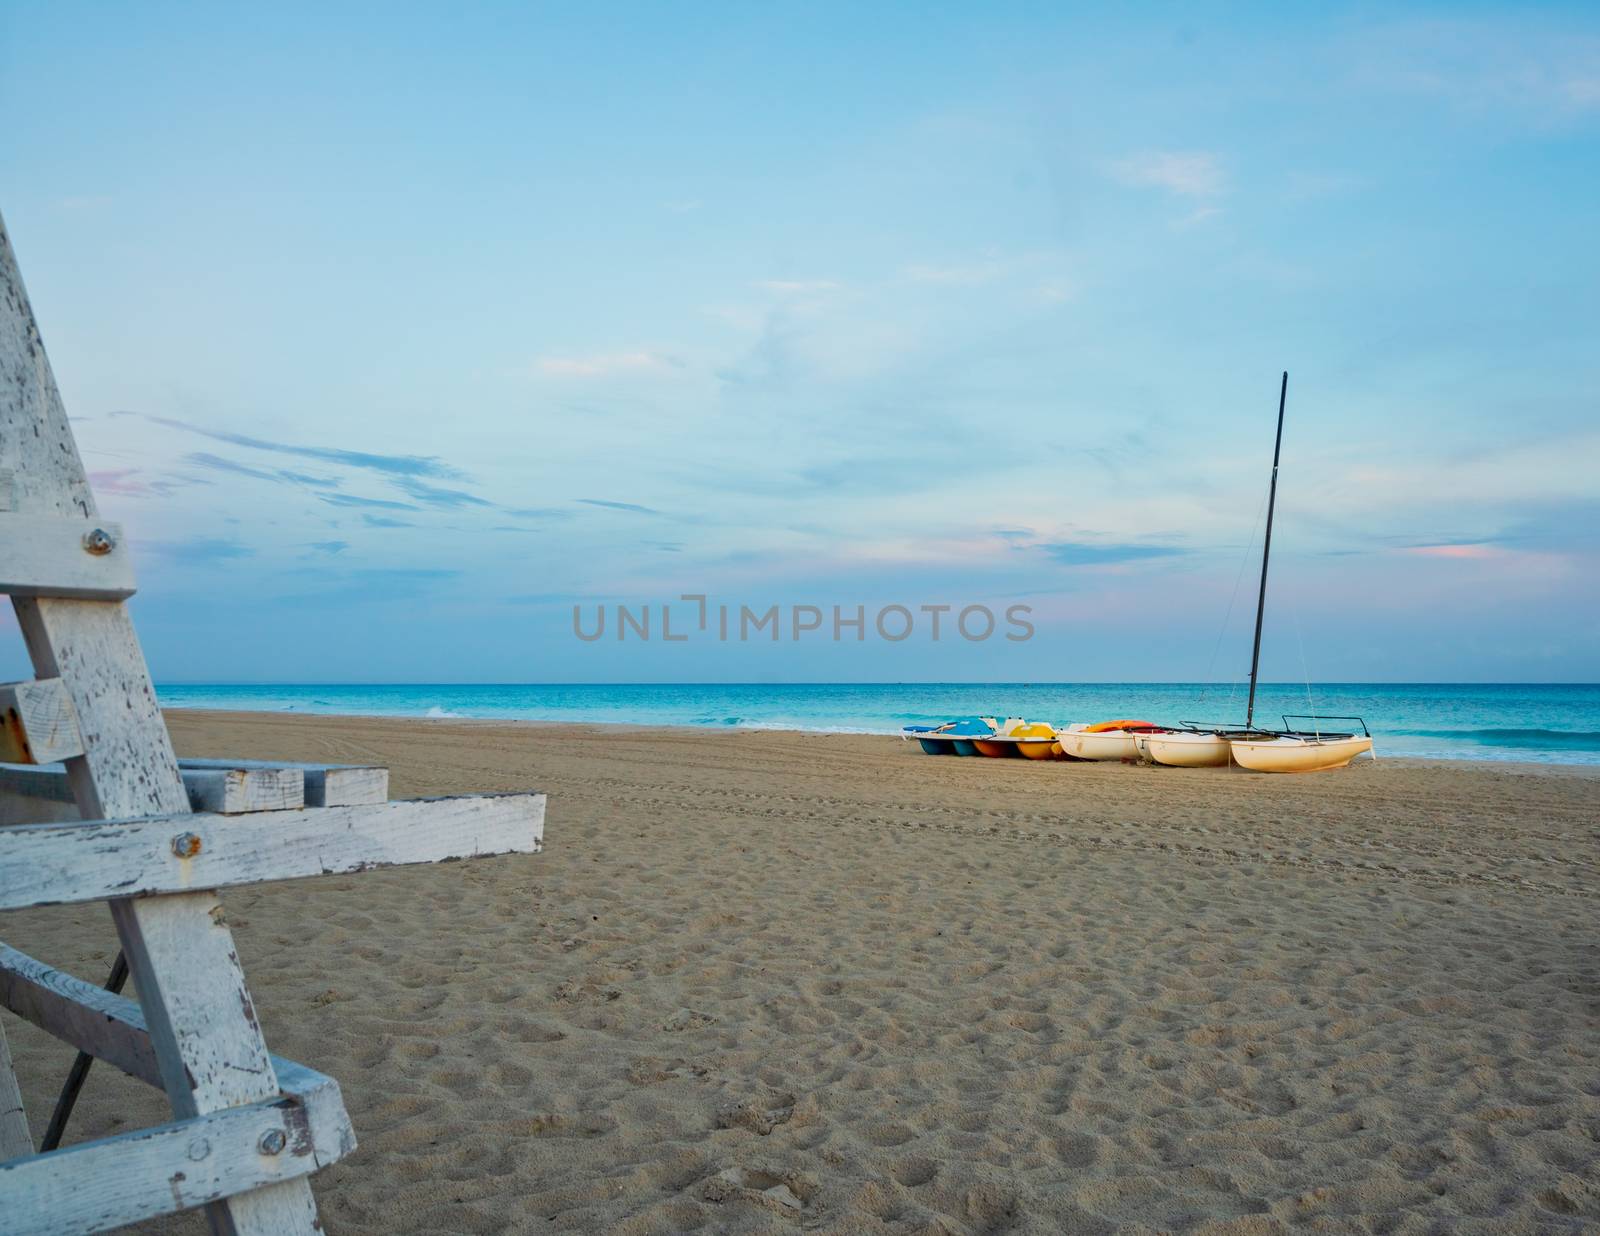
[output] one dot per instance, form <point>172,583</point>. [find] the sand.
<point>765,982</point>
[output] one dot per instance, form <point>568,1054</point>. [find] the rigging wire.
<point>1244,562</point>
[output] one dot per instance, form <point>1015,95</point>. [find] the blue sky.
<point>391,333</point>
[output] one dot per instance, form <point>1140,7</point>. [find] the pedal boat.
<point>996,743</point>
<point>953,737</point>
<point>1033,740</point>
<point>930,738</point>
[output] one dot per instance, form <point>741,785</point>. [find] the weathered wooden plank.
<point>112,1028</point>
<point>236,791</point>
<point>15,1140</point>
<point>202,1020</point>
<point>38,724</point>
<point>326,785</point>
<point>107,1026</point>
<point>347,785</point>
<point>58,556</point>
<point>225,791</point>
<point>48,864</point>
<point>120,1180</point>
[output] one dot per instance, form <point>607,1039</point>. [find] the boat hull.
<point>1034,742</point>
<point>1105,745</point>
<point>1187,750</point>
<point>1283,755</point>
<point>998,750</point>
<point>965,746</point>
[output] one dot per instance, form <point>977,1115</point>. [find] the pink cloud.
<point>1455,551</point>
<point>117,481</point>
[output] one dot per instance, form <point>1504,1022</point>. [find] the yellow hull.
<point>1036,741</point>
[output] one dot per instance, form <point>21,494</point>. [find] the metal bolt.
<point>186,845</point>
<point>98,542</point>
<point>199,1149</point>
<point>272,1142</point>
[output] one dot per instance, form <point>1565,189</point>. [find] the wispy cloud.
<point>620,506</point>
<point>1192,173</point>
<point>396,465</point>
<point>123,483</point>
<point>385,521</point>
<point>1478,550</point>
<point>216,463</point>
<point>1485,64</point>
<point>353,500</point>
<point>197,550</point>
<point>432,495</point>
<point>329,547</point>
<point>1088,553</point>
<point>609,364</point>
<point>118,481</point>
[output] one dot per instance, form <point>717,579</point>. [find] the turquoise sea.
<point>1503,721</point>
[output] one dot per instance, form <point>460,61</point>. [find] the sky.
<point>393,333</point>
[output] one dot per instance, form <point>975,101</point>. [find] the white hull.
<point>1298,754</point>
<point>1187,750</point>
<point>1106,745</point>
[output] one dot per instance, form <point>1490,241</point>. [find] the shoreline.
<point>1525,766</point>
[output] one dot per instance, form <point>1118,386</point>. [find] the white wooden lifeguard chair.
<point>127,823</point>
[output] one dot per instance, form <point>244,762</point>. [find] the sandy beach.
<point>767,982</point>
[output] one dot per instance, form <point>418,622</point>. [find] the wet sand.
<point>769,982</point>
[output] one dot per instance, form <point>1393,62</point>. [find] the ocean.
<point>1501,721</point>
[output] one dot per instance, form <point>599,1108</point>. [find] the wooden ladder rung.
<point>57,556</point>
<point>222,791</point>
<point>38,724</point>
<point>327,785</point>
<point>74,861</point>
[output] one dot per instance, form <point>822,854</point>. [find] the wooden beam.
<point>237,791</point>
<point>38,724</point>
<point>120,1180</point>
<point>92,1019</point>
<point>15,1139</point>
<point>222,790</point>
<point>56,556</point>
<point>96,860</point>
<point>327,785</point>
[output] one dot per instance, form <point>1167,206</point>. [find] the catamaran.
<point>1193,745</point>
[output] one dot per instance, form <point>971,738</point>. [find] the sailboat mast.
<point>1266,553</point>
